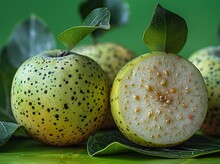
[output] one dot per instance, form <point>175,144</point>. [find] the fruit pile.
<point>157,99</point>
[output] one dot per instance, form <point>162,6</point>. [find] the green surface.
<point>202,18</point>
<point>29,151</point>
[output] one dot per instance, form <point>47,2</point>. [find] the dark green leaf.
<point>5,108</point>
<point>111,142</point>
<point>167,31</point>
<point>29,38</point>
<point>98,18</point>
<point>119,10</point>
<point>6,130</point>
<point>7,72</point>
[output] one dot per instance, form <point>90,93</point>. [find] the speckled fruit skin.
<point>111,57</point>
<point>159,100</point>
<point>207,60</point>
<point>60,100</point>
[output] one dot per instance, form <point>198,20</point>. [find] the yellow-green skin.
<point>207,60</point>
<point>159,100</point>
<point>60,100</point>
<point>111,57</point>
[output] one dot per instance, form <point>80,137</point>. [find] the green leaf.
<point>111,142</point>
<point>28,38</point>
<point>98,18</point>
<point>119,10</point>
<point>5,108</point>
<point>167,31</point>
<point>7,72</point>
<point>6,130</point>
<point>29,151</point>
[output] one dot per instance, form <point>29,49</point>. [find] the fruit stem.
<point>95,40</point>
<point>64,53</point>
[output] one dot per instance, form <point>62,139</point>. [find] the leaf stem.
<point>95,40</point>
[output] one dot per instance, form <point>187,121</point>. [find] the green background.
<point>202,17</point>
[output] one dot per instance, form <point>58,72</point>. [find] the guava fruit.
<point>60,100</point>
<point>61,97</point>
<point>159,99</point>
<point>208,62</point>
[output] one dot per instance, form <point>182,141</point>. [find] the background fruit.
<point>207,60</point>
<point>60,100</point>
<point>110,56</point>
